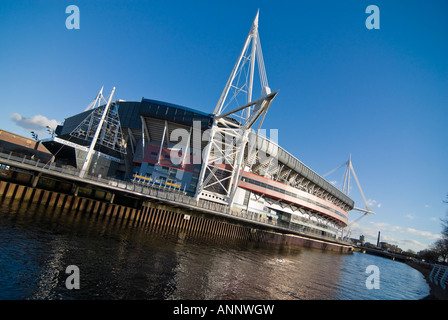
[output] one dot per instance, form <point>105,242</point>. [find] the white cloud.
<point>379,224</point>
<point>411,244</point>
<point>385,227</point>
<point>373,203</point>
<point>405,238</point>
<point>409,216</point>
<point>424,234</point>
<point>37,122</point>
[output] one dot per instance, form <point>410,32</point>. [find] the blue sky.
<point>381,95</point>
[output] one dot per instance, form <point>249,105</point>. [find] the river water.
<point>117,261</point>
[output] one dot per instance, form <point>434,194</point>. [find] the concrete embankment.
<point>141,211</point>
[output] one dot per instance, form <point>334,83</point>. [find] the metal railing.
<point>164,193</point>
<point>439,276</point>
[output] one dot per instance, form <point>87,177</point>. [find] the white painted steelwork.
<point>223,156</point>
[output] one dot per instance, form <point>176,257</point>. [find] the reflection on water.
<point>122,261</point>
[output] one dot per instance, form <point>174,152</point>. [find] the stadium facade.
<point>223,156</point>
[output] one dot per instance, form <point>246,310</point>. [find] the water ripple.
<point>124,262</point>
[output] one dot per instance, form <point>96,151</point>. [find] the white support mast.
<point>99,98</point>
<point>246,87</point>
<point>88,158</point>
<point>346,188</point>
<point>222,163</point>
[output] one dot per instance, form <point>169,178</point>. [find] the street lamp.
<point>35,135</point>
<point>50,131</point>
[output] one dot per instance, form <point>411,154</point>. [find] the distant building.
<point>362,239</point>
<point>390,247</point>
<point>11,143</point>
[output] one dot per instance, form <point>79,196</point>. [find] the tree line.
<point>438,251</point>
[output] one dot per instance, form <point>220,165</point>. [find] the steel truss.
<point>101,127</point>
<point>223,158</point>
<point>104,122</point>
<point>224,155</point>
<point>350,170</point>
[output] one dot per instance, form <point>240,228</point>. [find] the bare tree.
<point>440,247</point>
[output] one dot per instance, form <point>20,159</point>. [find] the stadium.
<point>222,157</point>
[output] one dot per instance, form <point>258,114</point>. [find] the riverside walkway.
<point>436,276</point>
<point>439,281</point>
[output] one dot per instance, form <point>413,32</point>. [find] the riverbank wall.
<point>141,205</point>
<point>436,291</point>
